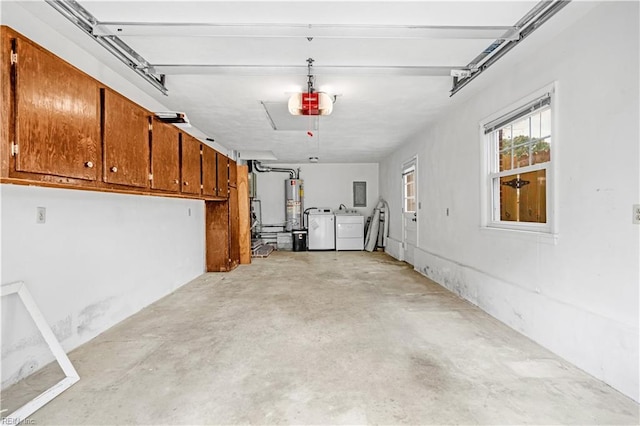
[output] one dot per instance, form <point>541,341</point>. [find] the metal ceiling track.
<point>533,20</point>
<point>84,20</point>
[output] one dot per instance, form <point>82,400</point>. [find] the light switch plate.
<point>636,214</point>
<point>41,214</point>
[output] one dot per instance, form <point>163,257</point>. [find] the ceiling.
<point>389,78</point>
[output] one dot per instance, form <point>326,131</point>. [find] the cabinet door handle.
<point>114,169</point>
<point>176,181</point>
<point>186,183</point>
<point>89,164</point>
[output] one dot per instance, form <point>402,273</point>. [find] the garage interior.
<point>320,212</point>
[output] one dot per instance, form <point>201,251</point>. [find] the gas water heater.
<point>294,206</point>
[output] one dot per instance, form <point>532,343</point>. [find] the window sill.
<point>523,234</point>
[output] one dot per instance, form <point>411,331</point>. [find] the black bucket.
<point>300,240</point>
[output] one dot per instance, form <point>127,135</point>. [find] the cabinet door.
<point>126,141</point>
<point>57,116</point>
<point>244,215</point>
<point>190,164</point>
<point>233,173</point>
<point>223,176</point>
<point>165,156</point>
<point>209,171</point>
<point>234,228</point>
<point>217,235</point>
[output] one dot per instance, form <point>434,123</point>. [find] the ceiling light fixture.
<point>310,102</point>
<point>172,117</point>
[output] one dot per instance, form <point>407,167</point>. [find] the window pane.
<point>535,126</point>
<point>504,138</point>
<point>505,160</point>
<point>532,202</point>
<point>541,151</point>
<point>545,123</point>
<point>409,177</point>
<point>520,128</point>
<point>523,197</point>
<point>521,156</point>
<point>410,190</point>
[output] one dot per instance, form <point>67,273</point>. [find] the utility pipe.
<point>263,169</point>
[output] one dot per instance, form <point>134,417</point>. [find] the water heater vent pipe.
<point>263,169</point>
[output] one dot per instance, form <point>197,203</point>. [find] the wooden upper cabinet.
<point>165,156</point>
<point>233,173</point>
<point>223,175</point>
<point>209,171</point>
<point>190,164</point>
<point>126,141</point>
<point>57,115</point>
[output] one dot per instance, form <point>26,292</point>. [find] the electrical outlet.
<point>636,214</point>
<point>41,214</point>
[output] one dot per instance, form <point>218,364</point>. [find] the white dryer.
<point>349,231</point>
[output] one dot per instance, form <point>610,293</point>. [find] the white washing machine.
<point>321,230</point>
<point>349,231</point>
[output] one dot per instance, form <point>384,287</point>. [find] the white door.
<point>409,210</point>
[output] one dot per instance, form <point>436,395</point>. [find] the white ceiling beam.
<point>168,29</point>
<point>210,69</point>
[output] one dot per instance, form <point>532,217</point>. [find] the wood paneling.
<point>57,115</point>
<point>217,235</point>
<point>244,215</point>
<point>165,156</point>
<point>234,228</point>
<point>223,175</point>
<point>126,141</point>
<point>190,160</point>
<point>233,173</point>
<point>209,171</point>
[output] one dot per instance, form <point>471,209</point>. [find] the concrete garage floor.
<point>321,338</point>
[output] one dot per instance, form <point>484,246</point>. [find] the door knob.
<point>114,169</point>
<point>89,164</point>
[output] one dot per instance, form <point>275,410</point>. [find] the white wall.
<point>99,257</point>
<point>325,185</point>
<point>578,296</point>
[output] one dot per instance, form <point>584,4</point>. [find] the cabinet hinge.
<point>201,186</point>
<point>150,176</point>
<point>150,127</point>
<point>14,58</point>
<point>14,149</point>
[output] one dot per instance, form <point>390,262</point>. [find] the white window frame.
<point>490,171</point>
<point>408,168</point>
